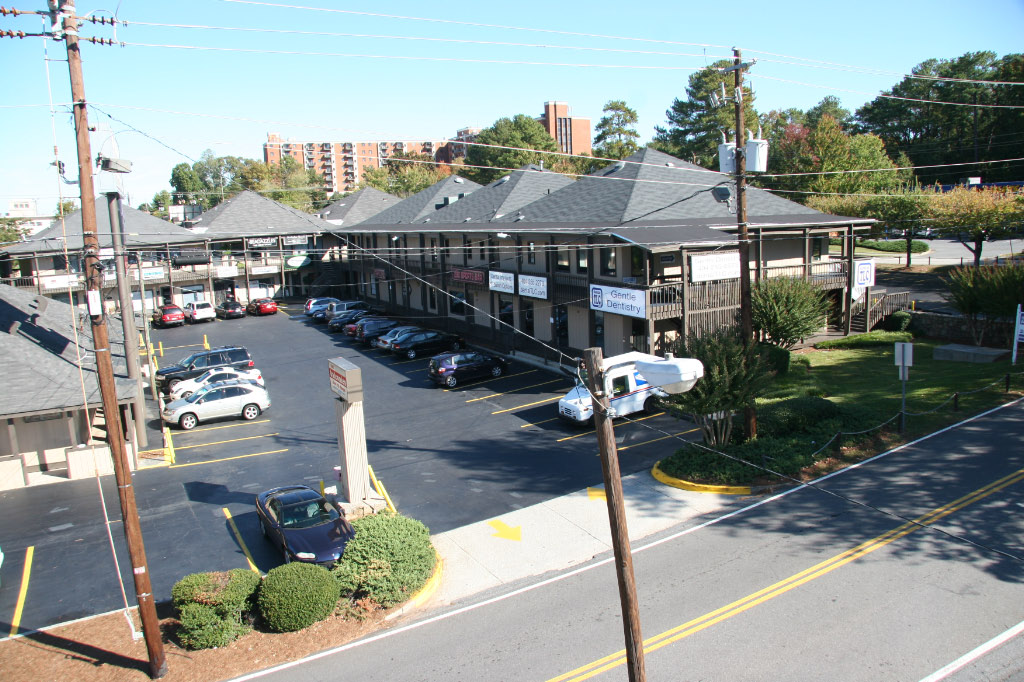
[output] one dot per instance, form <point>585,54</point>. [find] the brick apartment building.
<point>571,133</point>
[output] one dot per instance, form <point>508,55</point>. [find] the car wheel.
<point>497,371</point>
<point>250,412</point>
<point>186,394</point>
<point>450,381</point>
<point>172,383</point>
<point>650,405</point>
<point>188,421</point>
<point>411,353</point>
<point>456,345</point>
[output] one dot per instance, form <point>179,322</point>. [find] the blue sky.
<point>181,102</point>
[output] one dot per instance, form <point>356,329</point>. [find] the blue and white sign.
<point>864,273</point>
<point>631,302</point>
<point>504,282</point>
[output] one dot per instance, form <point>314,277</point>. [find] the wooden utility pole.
<point>104,364</point>
<point>746,320</point>
<point>616,516</point>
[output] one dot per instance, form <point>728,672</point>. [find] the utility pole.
<point>746,320</point>
<point>616,516</point>
<point>65,11</point>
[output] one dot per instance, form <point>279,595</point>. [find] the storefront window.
<point>562,264</point>
<point>526,314</point>
<point>458,302</point>
<point>582,260</point>
<point>531,253</point>
<point>599,329</point>
<point>608,268</point>
<point>505,311</point>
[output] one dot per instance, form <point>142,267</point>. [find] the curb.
<point>425,592</point>
<point>698,487</point>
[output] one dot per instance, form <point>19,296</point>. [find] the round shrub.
<point>778,358</point>
<point>230,594</point>
<point>899,321</point>
<point>388,560</point>
<point>295,596</point>
<point>203,628</point>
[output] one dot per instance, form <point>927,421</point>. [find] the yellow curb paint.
<point>26,571</point>
<point>241,542</point>
<point>221,442</point>
<point>505,531</point>
<point>227,459</point>
<point>596,494</point>
<point>430,587</point>
<point>168,446</point>
<point>818,570</point>
<point>698,487</point>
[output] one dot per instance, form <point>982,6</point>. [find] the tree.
<point>405,174</point>
<point>694,126</point>
<point>12,230</point>
<point>734,376</point>
<point>787,310</point>
<point>188,187</point>
<point>513,140</point>
<point>616,137</point>
<point>975,215</point>
<point>66,207</point>
<point>829,106</point>
<point>984,294</point>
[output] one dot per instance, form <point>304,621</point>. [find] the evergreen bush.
<point>388,560</point>
<point>899,321</point>
<point>296,595</point>
<point>202,627</point>
<point>778,359</point>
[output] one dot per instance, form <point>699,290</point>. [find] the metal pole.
<point>104,366</point>
<point>746,321</point>
<point>616,516</point>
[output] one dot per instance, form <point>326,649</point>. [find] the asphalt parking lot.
<point>446,457</point>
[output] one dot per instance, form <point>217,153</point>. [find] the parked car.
<point>338,307</point>
<point>368,329</point>
<point>187,387</point>
<point>168,316</point>
<point>315,305</point>
<point>425,342</point>
<point>261,306</point>
<point>193,365</point>
<point>385,340</point>
<point>229,309</point>
<point>224,399</point>
<point>448,369</point>
<point>338,322</point>
<point>351,328</point>
<point>303,525</point>
<point>199,311</point>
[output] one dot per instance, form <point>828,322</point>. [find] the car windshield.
<point>187,360</point>
<point>202,378</point>
<point>308,514</point>
<point>202,306</point>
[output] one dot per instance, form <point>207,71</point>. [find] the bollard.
<point>956,401</point>
<point>1007,382</point>
<point>913,305</point>
<point>839,443</point>
<point>321,487</point>
<point>206,344</point>
<point>161,345</point>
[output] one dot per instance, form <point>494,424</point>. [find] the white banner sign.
<point>1018,334</point>
<point>714,266</point>
<point>292,239</point>
<point>864,273</point>
<point>533,286</point>
<point>59,281</point>
<point>226,271</point>
<point>631,302</point>
<point>263,270</point>
<point>504,282</point>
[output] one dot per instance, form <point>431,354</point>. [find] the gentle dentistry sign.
<point>631,302</point>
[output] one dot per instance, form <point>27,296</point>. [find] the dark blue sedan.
<point>303,525</point>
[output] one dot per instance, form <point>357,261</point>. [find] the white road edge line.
<point>528,588</point>
<point>978,652</point>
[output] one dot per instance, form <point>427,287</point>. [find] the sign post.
<point>353,475</point>
<point>1018,333</point>
<point>904,360</point>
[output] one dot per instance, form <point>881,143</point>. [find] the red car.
<point>168,316</point>
<point>262,306</point>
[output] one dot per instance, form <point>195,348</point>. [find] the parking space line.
<point>514,390</point>
<point>545,421</point>
<point>225,426</point>
<point>187,345</point>
<point>484,381</point>
<point>26,571</point>
<point>586,433</point>
<point>539,402</point>
<point>655,440</point>
<point>221,442</point>
<point>241,542</point>
<point>226,459</point>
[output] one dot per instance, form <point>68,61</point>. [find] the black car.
<point>448,369</point>
<point>193,365</point>
<point>303,525</point>
<point>229,309</point>
<point>425,342</point>
<point>368,329</point>
<point>338,322</point>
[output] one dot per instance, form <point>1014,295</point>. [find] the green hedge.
<point>778,358</point>
<point>899,321</point>
<point>202,627</point>
<point>388,560</point>
<point>296,595</point>
<point>894,245</point>
<point>876,338</point>
<point>795,415</point>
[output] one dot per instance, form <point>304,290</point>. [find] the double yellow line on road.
<point>818,570</point>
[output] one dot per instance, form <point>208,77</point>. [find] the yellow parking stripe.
<point>221,442</point>
<point>26,571</point>
<point>539,402</point>
<point>587,433</point>
<point>481,381</point>
<point>224,426</point>
<point>514,390</point>
<point>818,570</point>
<point>545,421</point>
<point>226,459</point>
<point>241,542</point>
<point>655,440</point>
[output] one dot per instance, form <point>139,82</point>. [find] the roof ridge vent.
<point>617,167</point>
<point>458,179</point>
<point>502,180</point>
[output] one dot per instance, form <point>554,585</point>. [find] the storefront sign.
<point>261,242</point>
<point>468,276</point>
<point>296,262</point>
<point>263,270</point>
<point>533,286</point>
<point>346,379</point>
<point>715,266</point>
<point>152,273</point>
<point>631,302</point>
<point>226,271</point>
<point>864,273</point>
<point>504,282</point>
<point>295,239</point>
<point>59,281</point>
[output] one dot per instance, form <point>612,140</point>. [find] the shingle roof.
<point>424,202</point>
<point>248,214</point>
<point>505,195</point>
<point>141,229</point>
<point>358,206</point>
<point>650,185</point>
<point>40,332</point>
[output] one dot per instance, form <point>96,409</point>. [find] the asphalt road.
<point>447,458</point>
<point>887,571</point>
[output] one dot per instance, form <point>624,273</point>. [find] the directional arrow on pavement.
<point>506,531</point>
